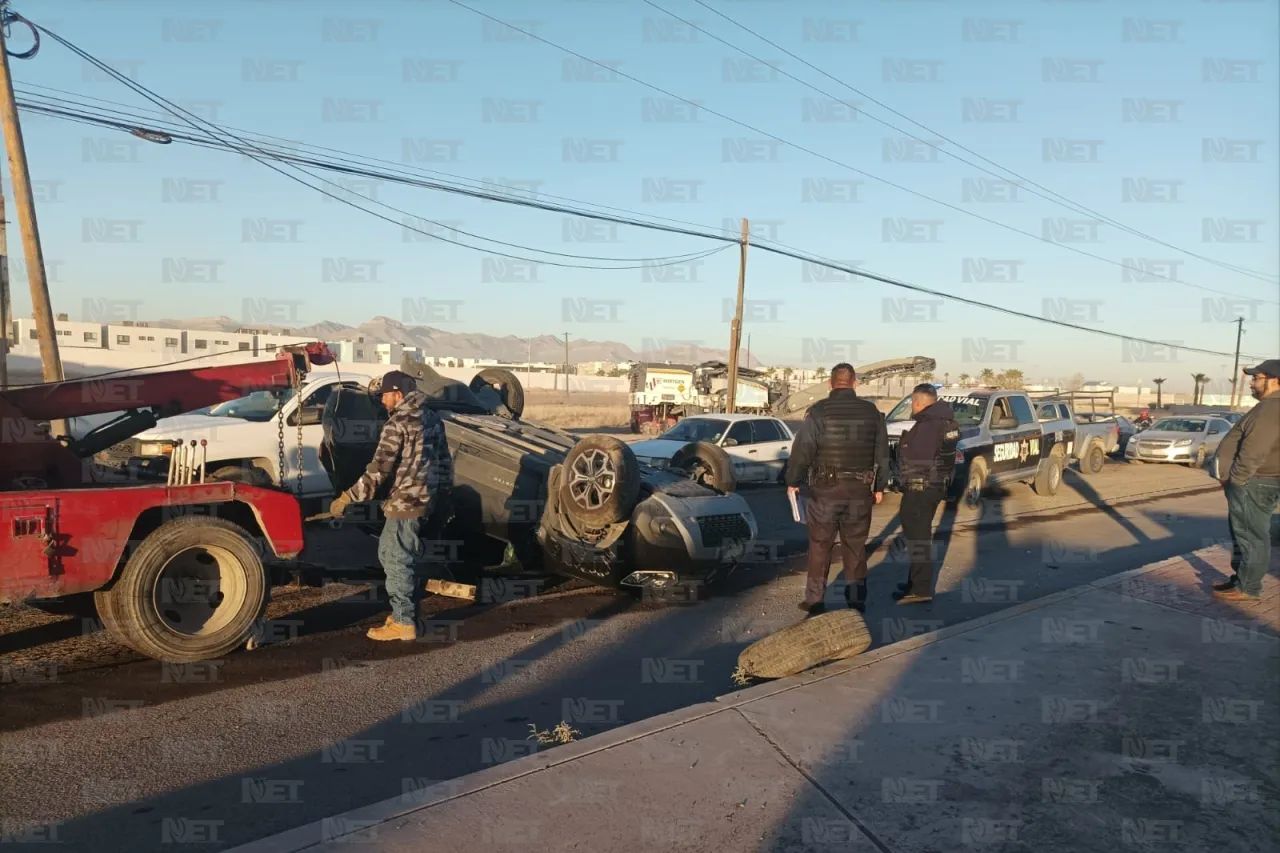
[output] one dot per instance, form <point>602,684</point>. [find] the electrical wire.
<point>1068,203</point>
<point>775,249</point>
<point>347,156</point>
<point>176,110</point>
<point>840,163</point>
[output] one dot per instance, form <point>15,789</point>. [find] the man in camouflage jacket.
<point>413,457</point>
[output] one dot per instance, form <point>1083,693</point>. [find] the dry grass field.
<point>584,410</point>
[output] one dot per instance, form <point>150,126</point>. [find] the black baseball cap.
<point>394,380</point>
<point>1270,367</point>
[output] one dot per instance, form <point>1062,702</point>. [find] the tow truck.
<point>176,567</point>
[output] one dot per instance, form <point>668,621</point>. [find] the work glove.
<point>339,505</point>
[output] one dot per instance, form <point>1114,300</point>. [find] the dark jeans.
<point>843,506</point>
<point>399,549</point>
<point>916,514</point>
<point>1249,509</point>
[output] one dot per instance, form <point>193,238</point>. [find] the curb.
<point>345,824</point>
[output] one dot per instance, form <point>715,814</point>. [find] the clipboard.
<point>798,514</point>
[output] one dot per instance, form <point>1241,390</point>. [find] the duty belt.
<point>825,476</point>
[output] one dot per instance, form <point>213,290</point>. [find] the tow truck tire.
<point>601,481</point>
<point>706,463</point>
<point>190,592</point>
<point>505,383</point>
<point>1094,460</point>
<point>1049,477</point>
<point>251,475</point>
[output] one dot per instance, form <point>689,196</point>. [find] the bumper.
<point>1160,454</point>
<point>669,540</point>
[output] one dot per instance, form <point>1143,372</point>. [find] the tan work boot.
<point>390,630</point>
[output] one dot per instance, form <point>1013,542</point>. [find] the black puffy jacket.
<point>844,433</point>
<point>928,449</point>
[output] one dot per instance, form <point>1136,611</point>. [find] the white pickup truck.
<point>245,437</point>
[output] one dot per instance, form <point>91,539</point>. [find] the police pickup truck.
<point>1001,441</point>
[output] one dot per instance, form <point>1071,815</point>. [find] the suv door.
<point>743,451</point>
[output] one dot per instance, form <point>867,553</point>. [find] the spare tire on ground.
<point>836,635</point>
<point>601,481</point>
<point>505,384</point>
<point>707,464</point>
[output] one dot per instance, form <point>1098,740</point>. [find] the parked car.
<point>1232,418</point>
<point>757,445</point>
<point>1097,435</point>
<point>1185,440</point>
<point>1001,441</point>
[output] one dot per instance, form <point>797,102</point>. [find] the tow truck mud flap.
<point>832,636</point>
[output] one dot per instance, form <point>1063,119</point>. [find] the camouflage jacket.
<point>413,455</point>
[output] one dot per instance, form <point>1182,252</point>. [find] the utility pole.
<point>566,364</point>
<point>735,328</point>
<point>528,366</point>
<point>1235,368</point>
<point>5,320</point>
<point>41,309</point>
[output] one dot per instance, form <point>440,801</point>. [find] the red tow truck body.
<point>64,530</point>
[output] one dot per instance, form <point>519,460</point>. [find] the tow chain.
<point>280,439</point>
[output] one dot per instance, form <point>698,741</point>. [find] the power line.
<point>776,249</point>
<point>1074,206</point>
<point>176,110</point>
<point>389,165</point>
<point>840,163</point>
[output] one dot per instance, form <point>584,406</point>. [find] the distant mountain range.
<point>438,342</point>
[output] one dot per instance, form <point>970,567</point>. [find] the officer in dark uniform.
<point>926,458</point>
<point>842,453</point>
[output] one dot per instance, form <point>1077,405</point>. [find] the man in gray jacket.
<point>1249,468</point>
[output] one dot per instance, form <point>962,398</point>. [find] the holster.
<point>831,476</point>
<point>916,484</point>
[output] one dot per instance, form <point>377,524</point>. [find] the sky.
<point>1161,116</point>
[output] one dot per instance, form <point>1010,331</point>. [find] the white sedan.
<point>757,445</point>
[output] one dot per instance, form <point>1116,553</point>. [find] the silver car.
<point>1186,440</point>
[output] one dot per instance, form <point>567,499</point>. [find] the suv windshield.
<point>697,429</point>
<point>969,410</point>
<point>259,407</point>
<point>1178,425</point>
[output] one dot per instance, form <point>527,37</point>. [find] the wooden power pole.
<point>735,328</point>
<point>41,309</point>
<point>6,321</point>
<point>1235,368</point>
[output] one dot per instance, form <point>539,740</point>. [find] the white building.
<point>388,353</point>
<point>357,351</point>
<point>135,337</point>
<point>71,333</point>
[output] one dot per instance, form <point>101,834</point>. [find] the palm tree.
<point>820,373</point>
<point>987,376</point>
<point>1200,380</point>
<point>1159,391</point>
<point>964,378</point>
<point>946,379</point>
<point>926,377</point>
<point>1012,379</point>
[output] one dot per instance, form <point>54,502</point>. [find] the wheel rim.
<point>592,479</point>
<point>1055,476</point>
<point>200,590</point>
<point>973,492</point>
<point>1200,457</point>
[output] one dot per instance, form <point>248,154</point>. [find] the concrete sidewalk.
<point>1136,710</point>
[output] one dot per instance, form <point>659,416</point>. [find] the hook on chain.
<point>7,18</point>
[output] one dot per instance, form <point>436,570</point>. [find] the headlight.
<point>1182,442</point>
<point>155,448</point>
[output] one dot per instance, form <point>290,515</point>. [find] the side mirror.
<point>309,417</point>
<point>1214,431</point>
<point>730,442</point>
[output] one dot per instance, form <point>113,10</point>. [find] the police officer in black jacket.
<point>926,458</point>
<point>842,453</point>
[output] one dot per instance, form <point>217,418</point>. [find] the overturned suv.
<point>581,507</point>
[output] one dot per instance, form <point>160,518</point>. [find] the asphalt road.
<point>114,753</point>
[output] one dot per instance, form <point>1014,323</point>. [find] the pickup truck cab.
<point>247,436</point>
<point>1001,441</point>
